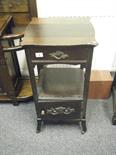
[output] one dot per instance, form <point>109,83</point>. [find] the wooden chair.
<point>10,44</point>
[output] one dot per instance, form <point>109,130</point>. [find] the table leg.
<point>83,126</point>
<point>38,125</point>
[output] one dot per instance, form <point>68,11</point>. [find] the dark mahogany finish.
<point>10,75</point>
<point>60,41</point>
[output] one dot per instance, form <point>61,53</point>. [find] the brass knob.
<point>42,112</point>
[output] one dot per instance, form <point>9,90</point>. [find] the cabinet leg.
<point>114,120</point>
<point>83,126</point>
<point>38,125</point>
<point>14,101</point>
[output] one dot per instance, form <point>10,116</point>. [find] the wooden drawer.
<point>60,53</point>
<point>62,110</point>
<point>14,6</point>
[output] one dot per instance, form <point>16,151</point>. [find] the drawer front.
<point>61,111</point>
<point>14,6</point>
<point>59,54</point>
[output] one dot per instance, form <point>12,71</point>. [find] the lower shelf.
<point>24,95</point>
<point>99,87</point>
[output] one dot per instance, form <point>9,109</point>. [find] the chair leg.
<point>83,126</point>
<point>14,101</point>
<point>38,125</point>
<point>114,119</point>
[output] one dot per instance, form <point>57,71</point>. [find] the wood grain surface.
<point>59,31</point>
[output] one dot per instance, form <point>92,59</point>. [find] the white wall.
<point>102,13</point>
<point>103,18</point>
<point>104,57</point>
<point>48,8</point>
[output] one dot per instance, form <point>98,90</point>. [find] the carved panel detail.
<point>60,110</point>
<point>58,55</point>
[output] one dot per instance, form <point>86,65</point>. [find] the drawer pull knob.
<point>58,55</point>
<point>42,112</point>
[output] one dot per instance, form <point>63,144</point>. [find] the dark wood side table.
<point>61,93</point>
<point>11,84</point>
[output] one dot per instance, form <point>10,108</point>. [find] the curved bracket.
<point>60,110</point>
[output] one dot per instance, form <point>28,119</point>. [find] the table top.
<point>4,20</point>
<point>60,31</point>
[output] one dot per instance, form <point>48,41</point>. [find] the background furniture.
<point>100,84</point>
<point>9,68</point>
<point>12,87</point>
<point>21,10</point>
<point>60,41</point>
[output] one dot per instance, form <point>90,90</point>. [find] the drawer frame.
<point>78,54</point>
